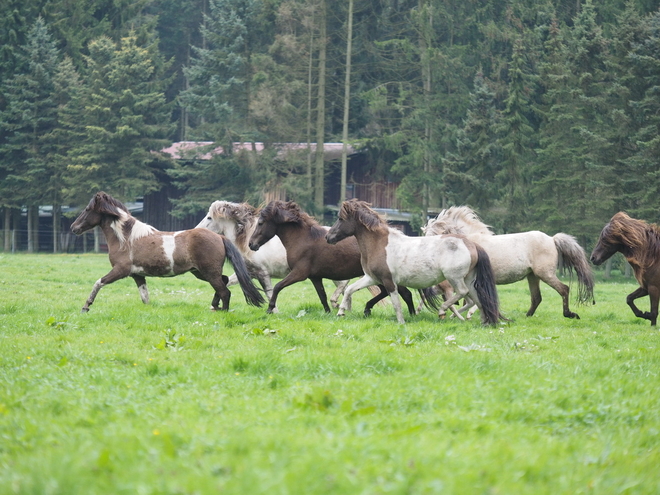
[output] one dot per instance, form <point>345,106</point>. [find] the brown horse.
<point>308,255</point>
<point>138,250</point>
<point>639,242</point>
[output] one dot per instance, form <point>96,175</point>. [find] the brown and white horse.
<point>308,255</point>
<point>138,250</point>
<point>237,221</point>
<point>391,258</point>
<point>639,242</point>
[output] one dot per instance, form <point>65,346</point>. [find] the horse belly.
<point>153,256</point>
<point>416,264</point>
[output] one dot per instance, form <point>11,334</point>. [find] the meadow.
<point>172,398</point>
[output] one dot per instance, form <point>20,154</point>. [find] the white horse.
<point>391,258</point>
<point>532,254</point>
<point>237,222</point>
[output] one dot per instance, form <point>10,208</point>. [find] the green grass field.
<point>171,398</point>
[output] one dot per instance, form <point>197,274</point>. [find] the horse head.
<point>626,235</point>
<point>457,220</point>
<point>352,215</point>
<point>101,206</point>
<point>227,218</point>
<point>271,217</point>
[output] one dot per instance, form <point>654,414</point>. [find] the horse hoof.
<point>84,310</point>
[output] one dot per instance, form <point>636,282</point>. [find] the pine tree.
<point>644,165</point>
<point>28,120</point>
<point>516,141</point>
<point>125,117</point>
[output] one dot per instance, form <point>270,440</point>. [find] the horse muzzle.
<point>331,238</point>
<point>254,246</point>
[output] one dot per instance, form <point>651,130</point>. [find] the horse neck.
<point>241,240</point>
<point>111,237</point>
<point>367,239</point>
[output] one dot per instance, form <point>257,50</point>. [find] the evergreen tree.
<point>644,165</point>
<point>516,140</point>
<point>125,117</point>
<point>28,121</point>
<point>477,157</point>
<point>576,140</point>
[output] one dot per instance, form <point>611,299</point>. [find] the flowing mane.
<point>363,213</point>
<point>290,212</point>
<point>126,227</point>
<point>642,239</point>
<point>457,220</point>
<point>242,214</point>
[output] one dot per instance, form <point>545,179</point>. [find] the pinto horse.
<point>530,254</point>
<point>308,255</point>
<point>237,221</point>
<point>391,258</point>
<point>138,250</point>
<point>639,242</point>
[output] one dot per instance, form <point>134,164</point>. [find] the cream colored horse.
<point>532,254</point>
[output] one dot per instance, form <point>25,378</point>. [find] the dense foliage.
<point>540,114</point>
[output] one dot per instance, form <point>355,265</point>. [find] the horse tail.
<point>576,259</point>
<point>430,297</point>
<point>250,291</point>
<point>484,284</point>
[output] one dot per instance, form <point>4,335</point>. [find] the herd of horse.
<point>459,256</point>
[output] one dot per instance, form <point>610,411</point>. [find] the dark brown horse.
<point>308,255</point>
<point>138,250</point>
<point>639,242</point>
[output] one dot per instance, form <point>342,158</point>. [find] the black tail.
<point>431,297</point>
<point>484,284</point>
<point>252,294</point>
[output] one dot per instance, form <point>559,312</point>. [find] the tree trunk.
<point>310,71</point>
<point>57,219</point>
<point>7,230</point>
<point>320,116</point>
<point>347,104</point>
<point>30,229</point>
<point>424,46</point>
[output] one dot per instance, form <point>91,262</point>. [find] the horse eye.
<point>208,218</point>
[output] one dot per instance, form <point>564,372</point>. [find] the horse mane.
<point>242,214</point>
<point>641,238</point>
<point>290,212</point>
<point>457,220</point>
<point>126,227</point>
<point>362,212</point>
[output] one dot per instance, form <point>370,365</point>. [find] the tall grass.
<point>172,398</point>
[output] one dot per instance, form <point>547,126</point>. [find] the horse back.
<point>310,253</point>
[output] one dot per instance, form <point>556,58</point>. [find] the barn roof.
<point>205,150</point>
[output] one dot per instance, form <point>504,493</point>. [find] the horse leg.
<point>374,300</point>
<point>290,279</point>
<point>142,287</point>
<point>639,292</point>
<point>112,276</point>
<point>534,292</point>
<point>407,297</point>
<point>233,279</point>
<point>365,281</point>
<point>341,286</point>
<point>320,290</point>
<point>654,296</point>
<point>460,290</point>
<point>563,290</point>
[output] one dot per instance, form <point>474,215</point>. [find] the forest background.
<point>539,114</point>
